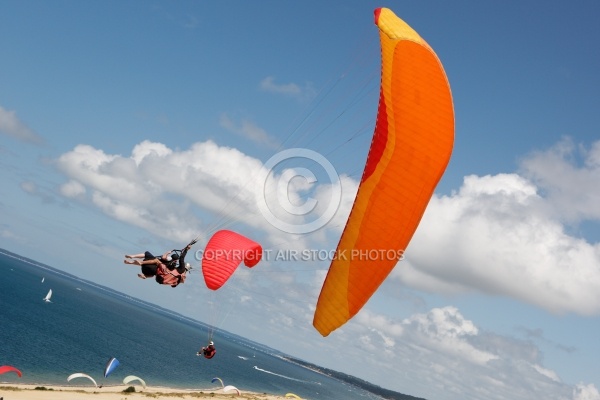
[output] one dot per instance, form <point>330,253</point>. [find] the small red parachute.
<point>7,368</point>
<point>223,253</point>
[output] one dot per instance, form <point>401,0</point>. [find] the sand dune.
<point>9,391</point>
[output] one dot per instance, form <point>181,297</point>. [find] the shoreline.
<point>14,391</point>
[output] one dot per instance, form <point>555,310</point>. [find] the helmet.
<point>211,343</point>
<point>175,256</point>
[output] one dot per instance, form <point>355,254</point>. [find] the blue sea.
<point>87,324</point>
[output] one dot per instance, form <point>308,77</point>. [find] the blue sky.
<point>131,126</point>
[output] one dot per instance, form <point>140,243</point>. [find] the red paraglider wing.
<point>7,368</point>
<point>223,253</point>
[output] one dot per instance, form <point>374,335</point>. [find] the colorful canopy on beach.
<point>7,368</point>
<point>131,378</point>
<point>110,366</point>
<point>230,388</point>
<point>81,375</point>
<point>217,380</point>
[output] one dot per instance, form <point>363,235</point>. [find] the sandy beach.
<point>9,391</point>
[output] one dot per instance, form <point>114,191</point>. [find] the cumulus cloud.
<point>442,354</point>
<point>163,190</point>
<point>155,187</point>
<point>11,125</point>
<point>444,330</point>
<point>505,235</point>
<point>585,392</point>
<point>569,177</point>
<point>72,189</point>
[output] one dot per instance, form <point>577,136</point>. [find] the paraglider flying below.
<point>223,253</point>
<point>168,269</point>
<point>208,351</point>
<point>410,149</point>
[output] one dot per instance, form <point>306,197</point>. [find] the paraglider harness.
<point>166,277</point>
<point>209,351</point>
<point>168,274</point>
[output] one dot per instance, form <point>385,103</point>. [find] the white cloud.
<point>268,84</point>
<point>249,130</point>
<point>163,190</point>
<point>498,235</point>
<point>288,89</point>
<point>72,189</point>
<point>569,177</point>
<point>443,323</point>
<point>11,125</point>
<point>441,354</point>
<point>585,392</point>
<point>380,324</point>
<point>445,330</point>
<point>148,149</point>
<point>546,372</point>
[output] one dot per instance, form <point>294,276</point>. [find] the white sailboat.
<point>43,280</point>
<point>47,298</point>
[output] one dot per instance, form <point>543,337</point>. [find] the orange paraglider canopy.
<point>410,149</point>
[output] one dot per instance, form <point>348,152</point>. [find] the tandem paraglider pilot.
<point>168,269</point>
<point>208,351</point>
